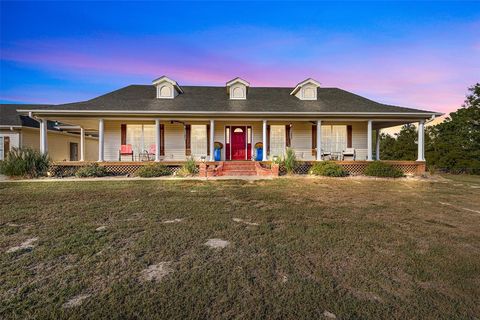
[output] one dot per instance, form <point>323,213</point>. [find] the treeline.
<point>452,146</point>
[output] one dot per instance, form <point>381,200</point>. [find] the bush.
<point>91,170</point>
<point>329,169</point>
<point>153,170</point>
<point>25,162</point>
<point>290,161</point>
<point>189,168</point>
<point>382,169</point>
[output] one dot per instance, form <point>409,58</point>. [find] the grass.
<point>377,249</point>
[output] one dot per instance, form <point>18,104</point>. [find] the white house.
<point>167,122</point>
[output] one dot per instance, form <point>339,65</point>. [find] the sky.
<point>414,54</point>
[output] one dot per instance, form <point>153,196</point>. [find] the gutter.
<point>66,112</point>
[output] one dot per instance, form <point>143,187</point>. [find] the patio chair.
<point>326,155</point>
<point>348,152</point>
<point>152,150</point>
<point>125,150</point>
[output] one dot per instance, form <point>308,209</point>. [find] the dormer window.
<point>166,88</point>
<point>237,89</point>
<point>306,90</point>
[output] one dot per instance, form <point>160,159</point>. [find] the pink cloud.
<point>416,75</point>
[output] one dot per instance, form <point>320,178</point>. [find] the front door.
<point>73,151</point>
<point>239,143</point>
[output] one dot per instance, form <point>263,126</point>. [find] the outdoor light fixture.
<point>203,158</point>
<point>275,158</point>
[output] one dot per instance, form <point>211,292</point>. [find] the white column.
<point>43,136</point>
<point>212,139</point>
<point>101,140</point>
<point>369,141</point>
<point>82,144</point>
<point>377,145</point>
<point>264,140</point>
<point>421,141</point>
<point>319,140</point>
<point>157,140</point>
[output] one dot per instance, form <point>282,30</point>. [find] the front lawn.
<point>288,248</point>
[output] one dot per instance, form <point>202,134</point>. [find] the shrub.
<point>91,170</point>
<point>25,162</point>
<point>218,145</point>
<point>153,170</point>
<point>382,169</point>
<point>189,168</point>
<point>329,169</point>
<point>290,161</point>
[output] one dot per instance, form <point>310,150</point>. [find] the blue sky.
<point>419,54</point>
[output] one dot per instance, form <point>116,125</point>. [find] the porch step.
<point>245,165</point>
<point>240,173</point>
<point>239,168</point>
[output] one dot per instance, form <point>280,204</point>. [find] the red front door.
<point>239,140</point>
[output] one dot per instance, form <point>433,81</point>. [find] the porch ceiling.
<point>91,123</point>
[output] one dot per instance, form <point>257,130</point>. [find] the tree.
<point>457,139</point>
<point>403,147</point>
<point>453,145</point>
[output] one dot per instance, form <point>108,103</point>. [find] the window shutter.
<point>349,136</point>
<point>6,145</point>
<point>268,140</point>
<point>188,139</point>
<point>162,139</point>
<point>314,140</point>
<point>288,135</point>
<point>123,134</point>
<point>208,139</point>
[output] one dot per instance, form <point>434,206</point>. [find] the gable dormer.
<point>166,88</point>
<point>306,90</point>
<point>237,89</point>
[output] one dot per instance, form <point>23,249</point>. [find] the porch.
<point>138,141</point>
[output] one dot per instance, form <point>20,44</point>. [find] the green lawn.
<point>357,248</point>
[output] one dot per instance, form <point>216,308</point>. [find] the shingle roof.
<point>10,117</point>
<point>215,99</point>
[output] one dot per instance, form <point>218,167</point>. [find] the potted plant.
<point>217,151</point>
<point>259,151</point>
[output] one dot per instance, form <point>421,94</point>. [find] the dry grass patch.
<point>323,248</point>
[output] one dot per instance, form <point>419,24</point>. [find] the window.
<point>277,140</point>
<point>141,137</point>
<point>165,91</point>
<point>227,135</point>
<point>249,134</point>
<point>238,92</point>
<point>334,138</point>
<point>309,93</point>
<point>199,140</point>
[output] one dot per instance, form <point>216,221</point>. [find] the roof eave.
<point>152,112</point>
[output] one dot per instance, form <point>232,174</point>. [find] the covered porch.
<point>167,140</point>
<point>128,143</point>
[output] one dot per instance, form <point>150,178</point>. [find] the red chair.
<point>151,151</point>
<point>125,150</point>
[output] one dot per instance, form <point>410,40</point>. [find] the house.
<point>167,122</point>
<point>22,131</point>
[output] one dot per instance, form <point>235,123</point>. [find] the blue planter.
<point>259,154</point>
<point>217,153</point>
